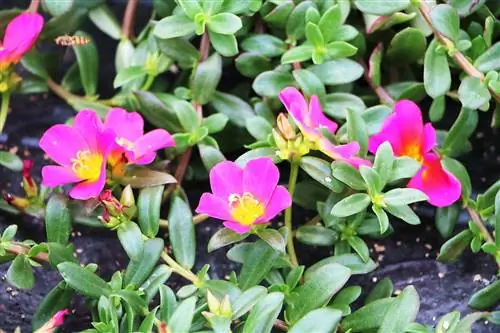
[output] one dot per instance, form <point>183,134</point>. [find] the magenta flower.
<point>81,152</point>
<point>310,119</point>
<point>20,35</point>
<point>130,141</point>
<point>245,196</point>
<point>405,131</point>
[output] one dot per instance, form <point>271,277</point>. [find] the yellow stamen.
<point>414,152</point>
<point>87,165</point>
<point>245,209</point>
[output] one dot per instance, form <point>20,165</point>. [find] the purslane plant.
<point>351,164</point>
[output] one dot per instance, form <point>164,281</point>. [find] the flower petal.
<point>295,103</point>
<point>388,133</point>
<point>88,189</point>
<point>260,177</point>
<point>53,176</point>
<point>226,178</point>
<point>318,118</point>
<point>21,34</point>
<point>146,159</point>
<point>428,138</point>
<point>128,125</point>
<point>213,206</point>
<point>236,227</point>
<point>442,187</point>
<point>61,143</point>
<point>345,152</point>
<point>280,200</point>
<point>409,119</point>
<point>151,142</point>
<point>90,126</point>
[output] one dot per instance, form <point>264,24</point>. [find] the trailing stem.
<point>178,269</point>
<point>128,19</point>
<point>294,171</point>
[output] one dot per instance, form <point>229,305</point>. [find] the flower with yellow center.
<point>87,165</point>
<point>245,209</point>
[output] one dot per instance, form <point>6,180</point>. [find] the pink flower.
<point>405,131</point>
<point>20,35</point>
<point>244,196</point>
<point>310,119</point>
<point>130,140</point>
<point>81,152</point>
<point>56,321</point>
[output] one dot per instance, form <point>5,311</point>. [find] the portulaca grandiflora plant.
<point>321,104</point>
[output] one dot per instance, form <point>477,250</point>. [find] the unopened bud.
<point>54,322</point>
<point>285,127</point>
<point>111,204</point>
<point>278,139</point>
<point>16,202</point>
<point>213,302</point>
<point>225,307</point>
<point>29,185</point>
<point>127,200</point>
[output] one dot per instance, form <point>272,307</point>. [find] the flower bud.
<point>112,205</point>
<point>29,185</point>
<point>213,302</point>
<point>54,322</point>
<point>127,200</point>
<point>225,307</point>
<point>285,127</point>
<point>16,202</point>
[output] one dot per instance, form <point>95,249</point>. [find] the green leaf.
<point>187,115</point>
<point>266,45</point>
<point>270,83</point>
<point>446,219</point>
<point>60,253</point>
<point>466,7</point>
<point>148,214</point>
<point>180,50</point>
<point>381,7</point>
<point>295,25</point>
<point>489,60</point>
<point>57,299</point>
<point>130,237</point>
<point>486,298</point>
<point>235,108</point>
<point>356,130</point>
<point>139,268</point>
<point>337,72</point>
<point>309,83</point>
<point>215,122</point>
<point>129,74</point>
<point>445,20</point>
<point>279,15</point>
<point>349,260</point>
<point>412,90</point>
<point>473,93</point>
<point>223,237</point>
<point>206,79</point>
<point>88,63</point>
<point>124,54</point>
<point>336,104</point>
<point>264,313</point>
<point>436,111</point>
<point>132,298</point>
<point>330,21</point>
<point>320,171</point>
<point>372,180</point>
<point>252,64</point>
<point>257,263</point>
<point>224,23</point>
<point>105,20</point>
<point>273,238</point>
<point>57,220</point>
<point>293,278</point>
<point>461,129</point>
<point>407,46</point>
<point>57,7</point>
<point>323,320</point>
<point>174,26</point>
<point>383,219</point>
<point>9,233</point>
<point>157,278</point>
<point>351,205</point>
<point>404,196</point>
<point>382,289</point>
<point>437,77</point>
<point>258,127</point>
<point>181,232</point>
<point>401,312</point>
<point>404,213</point>
<point>497,219</point>
<point>210,156</point>
<point>359,247</point>
<point>247,300</point>
<point>226,45</point>
<point>11,161</point>
<point>319,287</point>
<point>297,54</point>
<point>340,49</point>
<point>314,35</point>
<point>168,303</point>
<point>83,281</point>
<point>148,322</point>
<point>369,317</point>
<point>20,274</point>
<point>66,23</point>
<point>33,62</point>
<point>453,248</point>
<point>384,162</point>
<point>181,319</point>
<point>348,175</point>
<point>190,7</point>
<point>459,171</point>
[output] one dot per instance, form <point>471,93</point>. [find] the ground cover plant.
<point>335,107</point>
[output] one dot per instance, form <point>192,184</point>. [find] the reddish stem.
<point>34,5</point>
<point>128,18</point>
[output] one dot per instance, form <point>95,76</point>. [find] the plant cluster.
<point>327,89</point>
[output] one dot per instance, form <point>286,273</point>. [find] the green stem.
<point>4,109</point>
<point>294,171</point>
<point>178,269</point>
<point>148,83</point>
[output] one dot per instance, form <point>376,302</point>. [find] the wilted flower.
<point>20,35</point>
<point>310,119</point>
<point>245,196</point>
<point>56,321</point>
<point>29,184</point>
<point>81,152</point>
<point>131,145</point>
<point>405,131</point>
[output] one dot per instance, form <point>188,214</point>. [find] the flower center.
<point>245,209</point>
<point>129,145</point>
<point>413,151</point>
<point>87,165</point>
